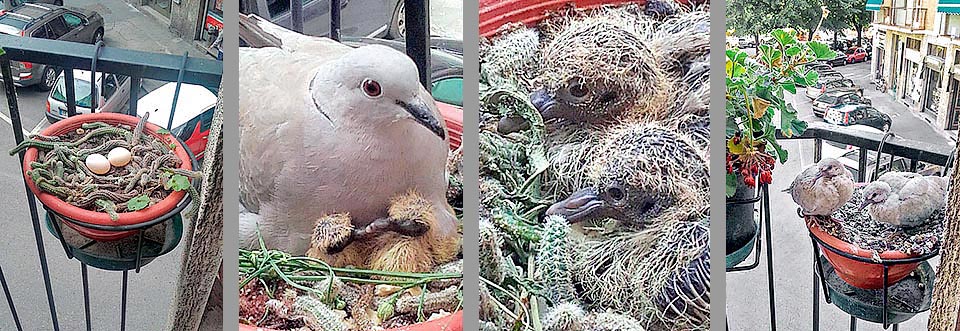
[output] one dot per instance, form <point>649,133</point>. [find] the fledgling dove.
<point>823,188</point>
<point>897,179</point>
<point>328,129</point>
<point>911,205</point>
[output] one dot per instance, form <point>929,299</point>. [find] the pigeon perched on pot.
<point>905,202</point>
<point>649,193</point>
<point>327,129</point>
<point>822,188</point>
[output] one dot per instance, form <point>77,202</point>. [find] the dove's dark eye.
<point>578,90</point>
<point>615,193</point>
<point>371,88</point>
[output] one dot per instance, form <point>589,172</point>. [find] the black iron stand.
<point>819,280</point>
<point>762,231</point>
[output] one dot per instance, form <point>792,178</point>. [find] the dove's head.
<point>593,71</point>
<point>376,85</point>
<point>829,168</point>
<point>876,192</point>
<point>640,173</point>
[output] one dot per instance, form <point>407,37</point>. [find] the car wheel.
<point>97,36</point>
<point>398,25</point>
<point>48,78</point>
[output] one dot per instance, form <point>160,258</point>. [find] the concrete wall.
<point>185,17</point>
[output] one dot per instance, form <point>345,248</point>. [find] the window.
<point>938,51</point>
<point>448,91</point>
<point>57,27</point>
<point>206,119</point>
<point>72,20</point>
<point>80,87</point>
<point>913,44</point>
<point>951,25</point>
<point>41,32</point>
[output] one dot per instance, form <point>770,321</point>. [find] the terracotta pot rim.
<point>99,218</point>
<point>497,13</point>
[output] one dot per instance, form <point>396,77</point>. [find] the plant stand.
<point>850,300</point>
<point>763,230</point>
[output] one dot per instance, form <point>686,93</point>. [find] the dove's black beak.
<point>864,204</point>
<point>582,205</point>
<point>545,104</point>
<point>424,115</point>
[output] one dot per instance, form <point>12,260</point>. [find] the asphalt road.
<point>151,291</point>
<point>747,303</point>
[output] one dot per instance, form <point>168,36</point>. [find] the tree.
<point>859,18</point>
<point>946,289</point>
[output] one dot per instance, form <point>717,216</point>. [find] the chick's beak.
<point>425,116</point>
<point>864,204</point>
<point>545,103</point>
<point>582,205</point>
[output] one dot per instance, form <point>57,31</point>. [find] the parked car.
<point>360,18</point>
<point>746,43</point>
<point>11,4</point>
<point>193,117</point>
<point>818,66</point>
<point>856,54</point>
<point>835,98</point>
<point>844,84</point>
<point>858,114</point>
<point>839,60</point>
<point>48,22</point>
<point>113,93</point>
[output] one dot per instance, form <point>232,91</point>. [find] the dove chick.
<point>407,240</point>
<point>905,202</point>
<point>823,188</point>
<point>652,183</point>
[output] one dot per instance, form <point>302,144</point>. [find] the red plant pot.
<point>496,13</point>
<point>453,117</point>
<point>453,322</point>
<point>65,209</point>
<point>861,274</point>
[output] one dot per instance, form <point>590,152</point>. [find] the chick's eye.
<point>371,88</point>
<point>578,90</point>
<point>615,193</point>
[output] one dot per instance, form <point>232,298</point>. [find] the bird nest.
<point>151,175</point>
<point>858,228</point>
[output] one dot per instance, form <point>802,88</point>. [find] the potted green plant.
<point>757,109</point>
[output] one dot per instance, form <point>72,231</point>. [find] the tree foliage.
<point>753,17</point>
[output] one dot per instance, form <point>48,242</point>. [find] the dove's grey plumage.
<point>897,179</point>
<point>822,188</point>
<point>912,204</point>
<point>313,141</point>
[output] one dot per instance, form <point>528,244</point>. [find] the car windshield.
<point>850,51</point>
<point>12,25</point>
<point>81,87</point>
<point>828,98</point>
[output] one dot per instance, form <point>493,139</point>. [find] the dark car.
<point>818,66</point>
<point>839,60</point>
<point>858,115</point>
<point>48,22</point>
<point>360,18</point>
<point>835,98</point>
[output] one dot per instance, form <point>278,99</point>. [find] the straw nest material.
<point>650,272</point>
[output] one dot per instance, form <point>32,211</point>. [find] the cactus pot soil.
<point>72,181</point>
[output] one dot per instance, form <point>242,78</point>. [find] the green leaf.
<point>173,146</point>
<point>783,37</point>
<point>789,124</point>
<point>2,52</point>
<point>138,202</point>
<point>821,50</point>
<point>178,183</point>
<point>163,131</point>
<point>811,78</point>
<point>789,86</point>
<point>793,50</point>
<point>731,185</point>
<point>781,153</point>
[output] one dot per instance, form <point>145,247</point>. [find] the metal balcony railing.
<point>892,149</point>
<point>68,56</point>
<point>904,17</point>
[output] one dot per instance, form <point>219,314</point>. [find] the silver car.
<point>113,91</point>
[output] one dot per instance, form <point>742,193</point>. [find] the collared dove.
<point>822,188</point>
<point>327,129</point>
<point>653,182</point>
<point>911,205</point>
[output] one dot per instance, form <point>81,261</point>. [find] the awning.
<point>875,4</point>
<point>946,6</point>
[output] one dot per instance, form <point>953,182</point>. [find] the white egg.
<point>98,164</point>
<point>119,156</point>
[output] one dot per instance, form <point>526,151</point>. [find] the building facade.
<point>916,47</point>
<point>199,20</point>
